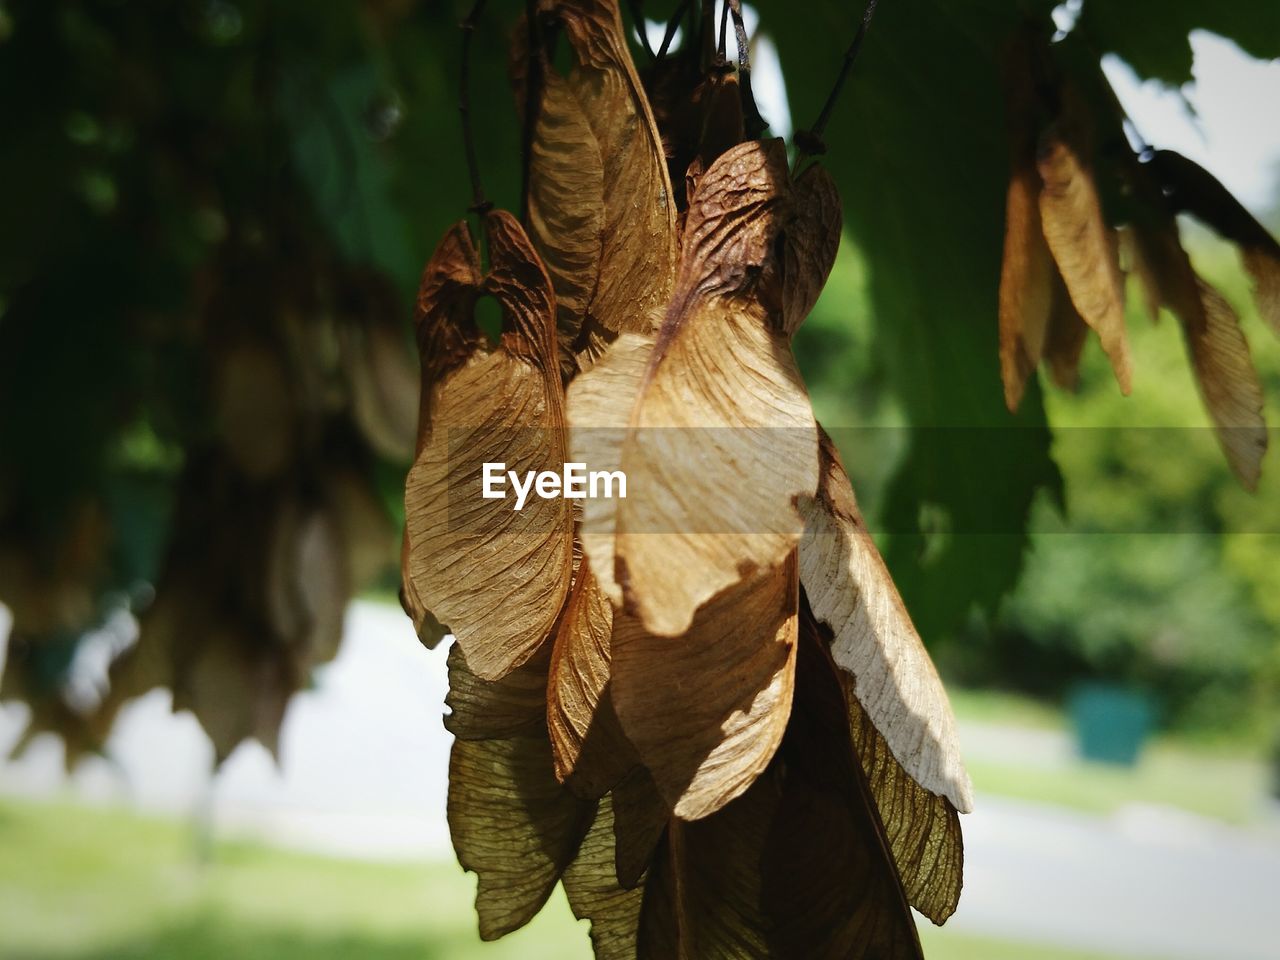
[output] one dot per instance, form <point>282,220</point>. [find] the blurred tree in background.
<point>214,217</point>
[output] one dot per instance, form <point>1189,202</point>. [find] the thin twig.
<point>722,41</point>
<point>637,18</point>
<point>754,123</point>
<point>672,26</point>
<point>533,100</point>
<point>468,26</point>
<point>809,141</point>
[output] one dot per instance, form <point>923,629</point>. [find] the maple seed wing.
<point>592,888</point>
<point>850,590</point>
<point>726,692</point>
<point>599,409</point>
<point>1026,285</point>
<point>1198,192</point>
<point>811,241</point>
<point>1220,360</point>
<point>591,753</point>
<point>1082,245</point>
<point>1229,385</point>
<point>723,438</point>
<point>494,576</point>
<point>511,821</point>
<point>638,235</point>
<point>566,206</point>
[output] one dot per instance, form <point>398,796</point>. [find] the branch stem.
<point>468,26</point>
<point>809,141</point>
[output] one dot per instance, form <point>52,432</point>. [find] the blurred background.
<point>223,737</point>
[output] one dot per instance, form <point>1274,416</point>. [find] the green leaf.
<point>1152,35</point>
<point>917,147</point>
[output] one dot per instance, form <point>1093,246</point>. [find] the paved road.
<point>362,773</point>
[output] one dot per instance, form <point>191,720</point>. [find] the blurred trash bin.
<point>1111,722</point>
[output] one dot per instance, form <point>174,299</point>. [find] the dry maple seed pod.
<point>701,708</point>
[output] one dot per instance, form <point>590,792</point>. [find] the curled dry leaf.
<point>811,240</point>
<point>1082,245</point>
<point>591,752</point>
<point>1219,353</point>
<point>566,207</point>
<point>850,590</point>
<point>798,866</point>
<point>706,710</point>
<point>722,400</point>
<point>1027,271</point>
<point>512,822</point>
<point>638,235</point>
<point>1196,191</point>
<point>495,577</point>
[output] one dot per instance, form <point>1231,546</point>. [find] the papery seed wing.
<point>722,408</point>
<point>922,828</point>
<point>638,240</point>
<point>600,404</point>
<point>1195,190</point>
<point>591,885</point>
<point>850,590</point>
<point>1027,270</point>
<point>1220,360</point>
<point>1228,385</point>
<point>512,822</point>
<point>1082,245</point>
<point>566,206</point>
<point>494,576</point>
<point>798,866</point>
<point>1065,337</point>
<point>706,710</point>
<point>811,241</point>
<point>591,752</point>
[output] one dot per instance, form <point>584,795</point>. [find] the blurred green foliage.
<point>172,165</point>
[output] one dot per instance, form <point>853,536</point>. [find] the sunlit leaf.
<point>494,576</point>
<point>874,639</point>
<point>722,399</point>
<point>591,752</point>
<point>638,238</point>
<point>706,710</point>
<point>1083,247</point>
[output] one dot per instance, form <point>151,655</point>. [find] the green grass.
<point>1222,780</point>
<point>1004,708</point>
<point>1232,791</point>
<point>79,883</point>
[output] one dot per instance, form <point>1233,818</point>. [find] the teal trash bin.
<point>1112,722</point>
